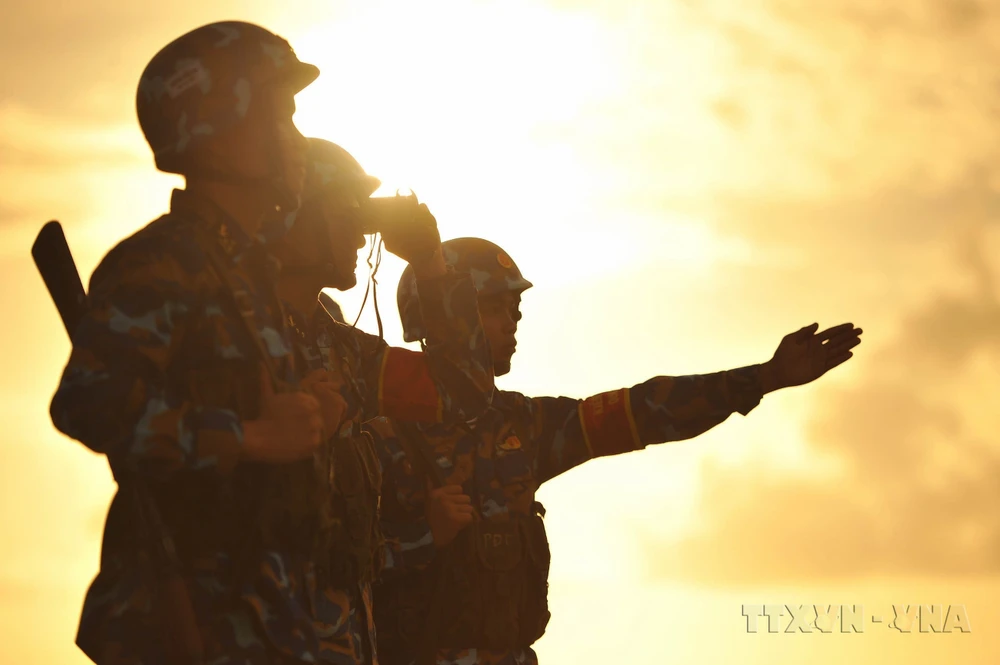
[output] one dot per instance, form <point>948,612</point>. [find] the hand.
<point>417,242</point>
<point>289,429</point>
<point>448,511</point>
<point>805,355</point>
<point>325,387</point>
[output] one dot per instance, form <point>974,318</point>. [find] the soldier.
<point>467,560</point>
<point>320,251</point>
<point>184,374</point>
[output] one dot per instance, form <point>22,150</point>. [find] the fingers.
<point>835,331</point>
<point>424,215</point>
<point>460,514</point>
<point>452,499</point>
<point>838,346</point>
<point>294,405</point>
<point>807,332</point>
<point>333,409</point>
<point>304,403</point>
<point>328,393</point>
<point>801,334</point>
<point>314,378</point>
<point>451,495</point>
<point>317,375</point>
<point>840,359</point>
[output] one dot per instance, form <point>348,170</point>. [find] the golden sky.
<point>684,182</point>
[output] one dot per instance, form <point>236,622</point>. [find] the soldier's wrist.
<point>768,376</point>
<point>431,265</point>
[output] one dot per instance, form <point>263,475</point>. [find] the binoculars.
<point>382,213</point>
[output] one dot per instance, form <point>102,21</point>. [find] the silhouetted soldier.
<point>467,559</point>
<point>185,374</point>
<point>365,377</point>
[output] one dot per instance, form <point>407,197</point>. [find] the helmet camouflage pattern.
<point>330,165</point>
<point>204,82</point>
<point>492,271</point>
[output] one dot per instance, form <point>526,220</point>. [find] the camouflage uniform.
<point>379,380</point>
<point>453,380</point>
<point>161,343</point>
<point>518,444</point>
<point>164,372</point>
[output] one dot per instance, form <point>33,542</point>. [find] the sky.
<point>684,182</point>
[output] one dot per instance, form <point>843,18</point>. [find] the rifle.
<point>54,261</point>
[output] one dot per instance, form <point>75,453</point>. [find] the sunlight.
<point>418,92</point>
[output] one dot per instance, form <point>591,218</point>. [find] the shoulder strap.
<point>411,439</point>
<point>241,299</point>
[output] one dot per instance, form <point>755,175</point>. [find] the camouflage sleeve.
<point>568,432</point>
<point>409,544</point>
<point>116,395</point>
<point>453,379</point>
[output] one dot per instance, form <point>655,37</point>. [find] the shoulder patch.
<point>510,443</point>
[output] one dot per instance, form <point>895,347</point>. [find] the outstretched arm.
<point>567,432</point>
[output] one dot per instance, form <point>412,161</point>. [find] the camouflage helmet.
<point>492,271</point>
<point>330,165</point>
<point>204,81</point>
<point>327,165</point>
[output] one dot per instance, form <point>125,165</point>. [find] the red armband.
<point>405,388</point>
<point>608,426</point>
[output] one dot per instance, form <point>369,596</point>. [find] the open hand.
<point>805,355</point>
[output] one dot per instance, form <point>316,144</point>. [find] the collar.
<point>236,244</point>
<point>230,236</point>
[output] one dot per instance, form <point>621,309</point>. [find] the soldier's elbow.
<point>72,416</point>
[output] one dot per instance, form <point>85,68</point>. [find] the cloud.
<point>84,59</point>
<point>912,441</point>
<point>833,97</point>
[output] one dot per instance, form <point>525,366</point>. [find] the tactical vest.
<point>488,589</point>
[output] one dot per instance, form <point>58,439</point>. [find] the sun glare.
<point>413,94</point>
<point>416,95</point>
